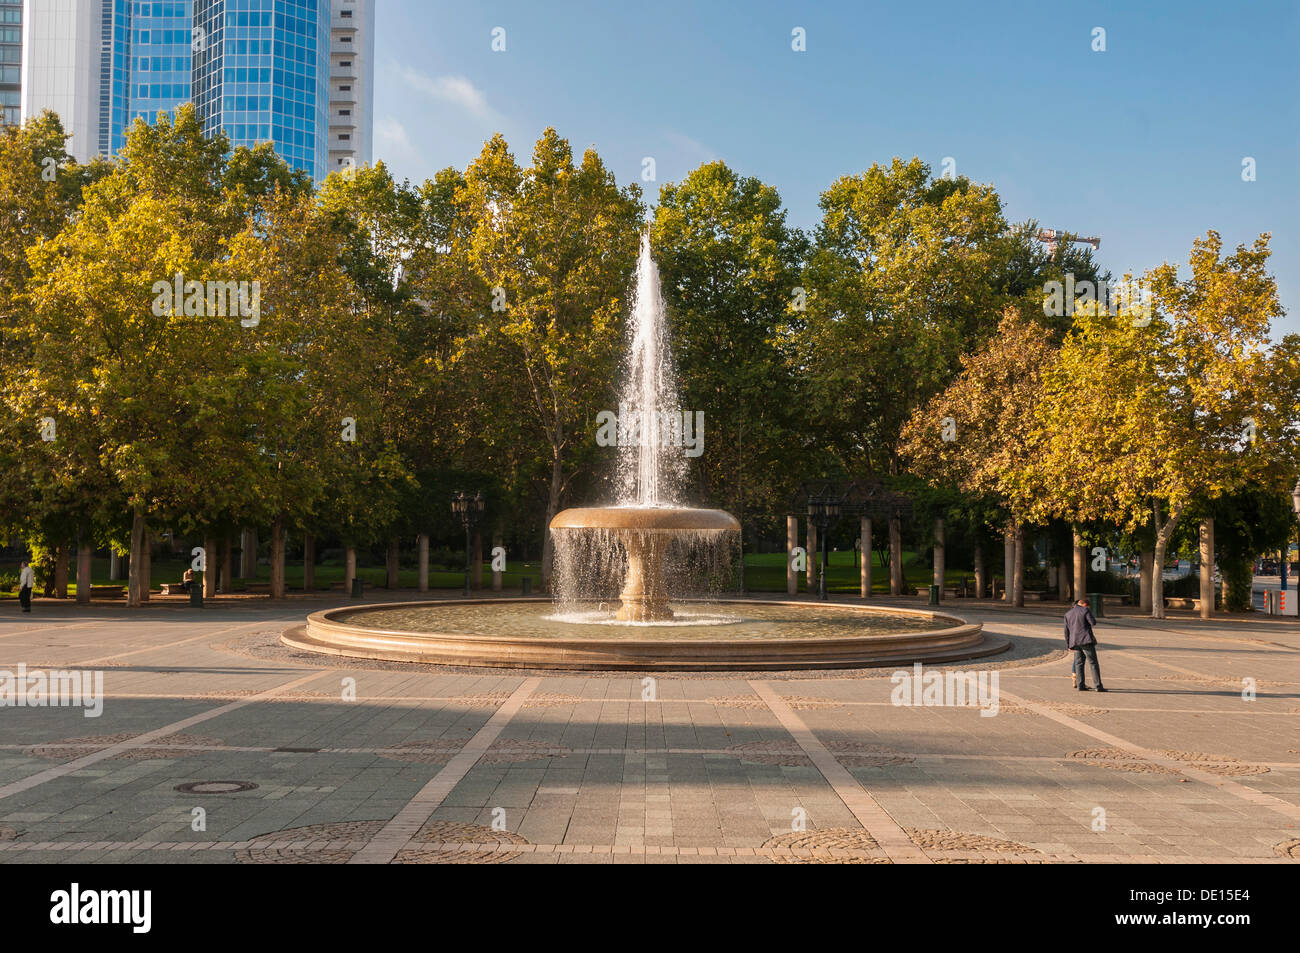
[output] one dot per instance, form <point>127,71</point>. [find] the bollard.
<point>1095,604</point>
<point>358,586</point>
<point>196,595</point>
<point>528,585</point>
<point>934,595</point>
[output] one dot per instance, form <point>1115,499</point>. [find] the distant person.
<point>187,580</point>
<point>1079,637</point>
<point>26,582</point>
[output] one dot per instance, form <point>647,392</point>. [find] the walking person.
<point>26,582</point>
<point>1079,637</point>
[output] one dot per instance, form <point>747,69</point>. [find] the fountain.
<point>647,545</point>
<point>647,515</point>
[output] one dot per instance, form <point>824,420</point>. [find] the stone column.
<point>308,562</point>
<point>865,564</point>
<point>1207,568</point>
<point>791,542</point>
<point>1064,585</point>
<point>61,571</point>
<point>939,565</point>
<point>980,572</point>
<point>422,574</point>
<point>85,553</point>
<point>390,564</point>
<point>279,588</point>
<point>478,560</point>
<point>1080,567</point>
<point>349,569</point>
<point>1008,563</point>
<point>225,583</point>
<point>895,557</point>
<point>146,565</point>
<point>211,560</point>
<point>114,565</point>
<point>497,540</point>
<point>812,556</point>
<point>248,555</point>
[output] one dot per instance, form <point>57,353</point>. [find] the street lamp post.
<point>823,508</point>
<point>470,510</point>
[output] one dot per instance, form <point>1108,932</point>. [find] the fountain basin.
<point>519,633</point>
<point>644,532</point>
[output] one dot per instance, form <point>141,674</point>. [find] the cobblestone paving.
<point>596,768</point>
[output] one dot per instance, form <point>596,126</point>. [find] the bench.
<point>174,588</point>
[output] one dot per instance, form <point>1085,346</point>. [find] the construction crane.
<point>1051,237</point>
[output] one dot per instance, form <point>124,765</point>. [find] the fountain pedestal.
<point>644,597</point>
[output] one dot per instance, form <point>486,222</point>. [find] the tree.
<point>553,247</point>
<point>730,268</point>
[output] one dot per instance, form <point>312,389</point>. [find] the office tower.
<point>352,57</point>
<point>11,58</point>
<point>262,70</point>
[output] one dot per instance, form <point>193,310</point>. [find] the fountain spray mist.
<point>649,474</point>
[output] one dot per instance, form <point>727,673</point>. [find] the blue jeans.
<point>1088,652</point>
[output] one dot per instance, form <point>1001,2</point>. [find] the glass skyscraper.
<point>11,58</point>
<point>258,69</point>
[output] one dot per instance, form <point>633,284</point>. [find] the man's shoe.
<point>1084,688</point>
<point>1102,688</point>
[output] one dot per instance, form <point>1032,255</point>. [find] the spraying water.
<point>649,473</point>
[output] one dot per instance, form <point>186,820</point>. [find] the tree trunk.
<point>1064,586</point>
<point>980,572</point>
<point>146,567</point>
<point>1018,585</point>
<point>864,564</point>
<point>895,557</point>
<point>1080,565</point>
<point>137,560</point>
<point>308,562</point>
<point>211,560</point>
<point>85,553</point>
<point>279,589</point>
<point>114,565</point>
<point>1008,564</point>
<point>225,582</point>
<point>390,563</point>
<point>552,507</point>
<point>349,569</point>
<point>422,574</point>
<point>477,564</point>
<point>939,566</point>
<point>61,571</point>
<point>1207,568</point>
<point>1163,535</point>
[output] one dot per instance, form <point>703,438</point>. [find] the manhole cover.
<point>451,843</point>
<point>215,787</point>
<point>956,840</point>
<point>1118,759</point>
<point>168,746</point>
<point>1222,765</point>
<point>833,845</point>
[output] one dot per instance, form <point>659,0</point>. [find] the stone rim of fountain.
<point>326,632</point>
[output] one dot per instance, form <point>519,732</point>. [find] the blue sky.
<point>1141,144</point>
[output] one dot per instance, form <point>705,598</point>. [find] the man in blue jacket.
<point>1079,637</point>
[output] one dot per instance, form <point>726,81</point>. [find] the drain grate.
<point>215,787</point>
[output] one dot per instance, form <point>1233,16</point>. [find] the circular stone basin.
<point>734,635</point>
<point>645,519</point>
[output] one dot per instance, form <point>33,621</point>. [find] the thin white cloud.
<point>455,90</point>
<point>392,133</point>
<point>692,147</point>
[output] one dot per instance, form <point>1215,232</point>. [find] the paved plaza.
<point>218,744</point>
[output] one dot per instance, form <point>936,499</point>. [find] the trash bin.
<point>1095,604</point>
<point>196,595</point>
<point>358,586</point>
<point>934,595</point>
<point>528,585</point>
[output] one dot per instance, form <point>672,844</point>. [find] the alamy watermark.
<point>55,689</point>
<point>1130,297</point>
<point>213,299</point>
<point>631,427</point>
<point>921,689</point>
